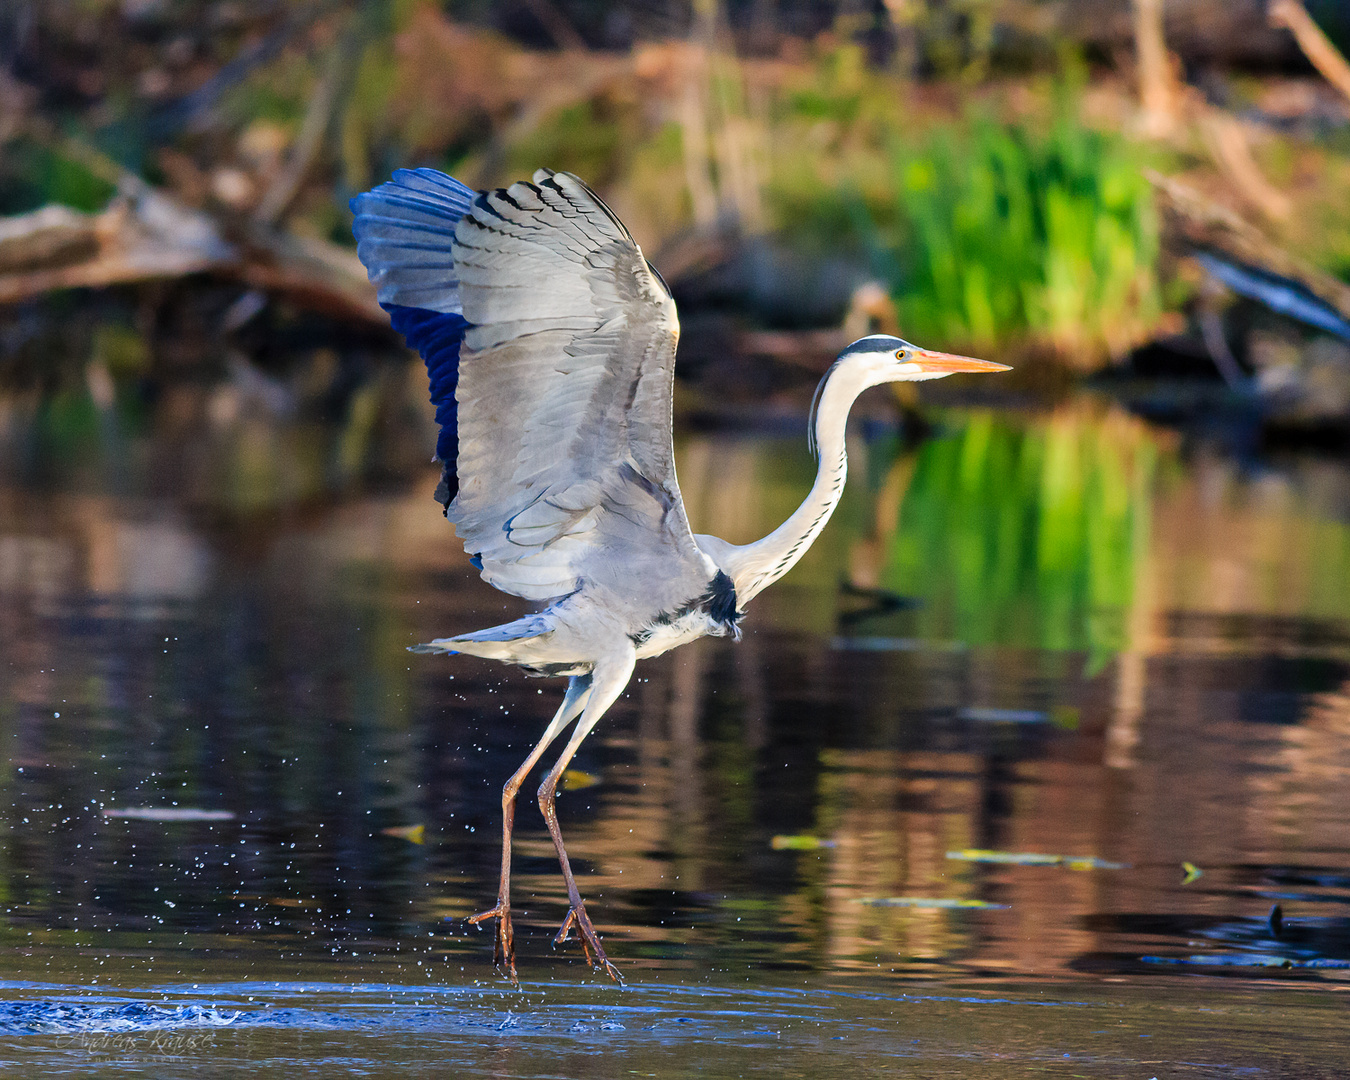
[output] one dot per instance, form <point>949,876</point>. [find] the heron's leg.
<point>609,678</point>
<point>504,948</point>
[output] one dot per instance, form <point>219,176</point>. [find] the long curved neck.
<point>754,567</point>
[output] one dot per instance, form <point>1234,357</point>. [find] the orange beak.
<point>949,363</point>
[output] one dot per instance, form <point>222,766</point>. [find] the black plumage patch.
<point>553,670</point>
<point>721,601</point>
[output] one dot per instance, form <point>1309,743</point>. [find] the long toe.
<point>504,940</point>
<point>484,916</point>
<point>590,941</point>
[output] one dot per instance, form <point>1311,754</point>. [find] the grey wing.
<point>565,461</point>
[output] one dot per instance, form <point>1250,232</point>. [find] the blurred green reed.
<point>1027,534</point>
<point>1007,233</point>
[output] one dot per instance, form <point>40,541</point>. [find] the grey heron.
<point>550,345</point>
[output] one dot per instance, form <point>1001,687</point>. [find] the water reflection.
<point>1028,534</point>
<point>1124,648</point>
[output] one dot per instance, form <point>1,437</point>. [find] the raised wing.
<point>563,343</point>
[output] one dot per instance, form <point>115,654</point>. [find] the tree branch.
<point>1316,46</point>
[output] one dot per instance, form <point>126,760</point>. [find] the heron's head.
<point>881,358</point>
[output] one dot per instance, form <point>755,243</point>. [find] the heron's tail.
<point>495,643</point>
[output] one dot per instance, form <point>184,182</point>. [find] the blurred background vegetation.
<point>984,161</point>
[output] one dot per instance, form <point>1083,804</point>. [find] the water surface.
<point>243,826</point>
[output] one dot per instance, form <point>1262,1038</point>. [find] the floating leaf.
<point>880,644</point>
<point>933,902</point>
<point>1003,716</point>
<point>167,813</point>
<point>1031,858</point>
<point>575,780</point>
<point>1247,960</point>
<point>799,843</point>
<point>414,834</point>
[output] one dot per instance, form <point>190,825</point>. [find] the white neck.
<point>754,567</point>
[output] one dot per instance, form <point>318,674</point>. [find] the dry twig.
<point>1228,144</point>
<point>1316,46</point>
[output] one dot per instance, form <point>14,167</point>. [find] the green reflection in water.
<point>1027,534</point>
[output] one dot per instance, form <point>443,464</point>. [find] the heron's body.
<point>550,345</point>
<point>567,638</point>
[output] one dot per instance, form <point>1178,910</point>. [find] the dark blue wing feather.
<point>405,232</point>
<point>437,336</point>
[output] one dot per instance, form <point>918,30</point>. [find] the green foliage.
<point>586,139</point>
<point>67,428</point>
<point>1027,535</point>
<point>1040,233</point>
<point>838,91</point>
<point>829,185</point>
<point>1007,234</point>
<point>33,175</point>
<point>122,349</point>
<point>278,93</point>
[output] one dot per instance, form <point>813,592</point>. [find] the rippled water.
<point>673,1029</point>
<point>243,826</point>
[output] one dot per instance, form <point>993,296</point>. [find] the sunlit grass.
<point>996,226</point>
<point>1009,234</point>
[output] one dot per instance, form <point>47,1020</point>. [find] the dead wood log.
<point>150,236</point>
<point>136,239</point>
<point>1200,223</point>
<point>52,236</point>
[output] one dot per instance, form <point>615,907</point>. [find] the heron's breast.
<point>663,636</point>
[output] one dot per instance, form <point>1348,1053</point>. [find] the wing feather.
<point>405,233</point>
<point>564,360</point>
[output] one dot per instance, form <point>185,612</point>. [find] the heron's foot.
<point>504,944</point>
<point>590,940</point>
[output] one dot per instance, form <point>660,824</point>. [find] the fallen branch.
<point>1205,224</point>
<point>1228,145</point>
<point>310,273</point>
<point>136,239</point>
<point>52,236</point>
<point>814,350</point>
<point>149,236</point>
<point>146,234</point>
<point>1316,46</point>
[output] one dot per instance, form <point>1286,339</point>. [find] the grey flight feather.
<point>570,353</point>
<point>565,461</point>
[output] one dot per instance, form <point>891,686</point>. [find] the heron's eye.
<point>899,354</point>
